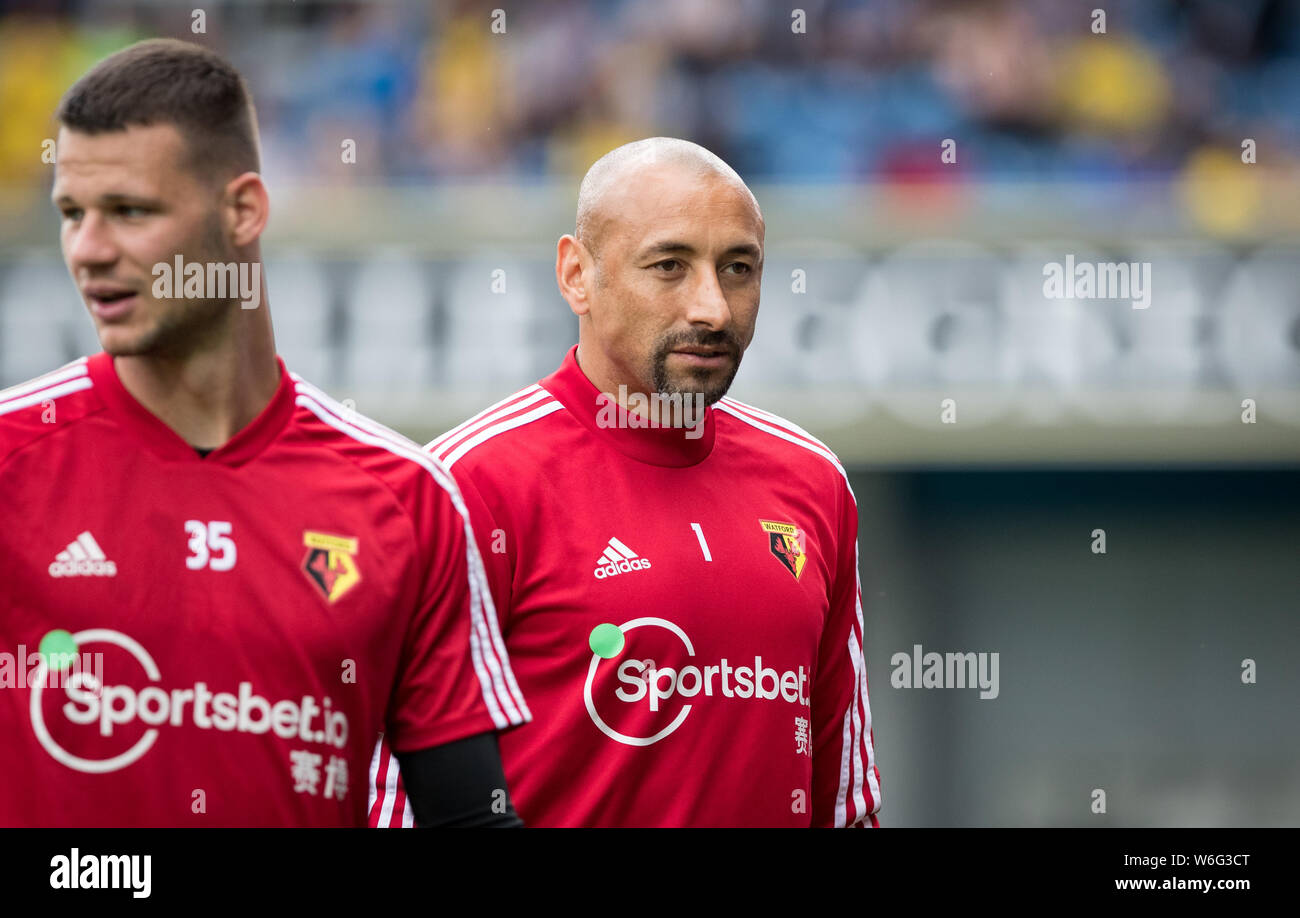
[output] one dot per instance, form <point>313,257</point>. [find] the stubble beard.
<point>183,326</point>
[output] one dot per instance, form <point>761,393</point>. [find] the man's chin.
<point>125,342</point>
<point>714,385</point>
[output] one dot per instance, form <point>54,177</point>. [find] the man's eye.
<point>130,210</point>
<point>672,264</point>
<point>71,213</point>
<point>744,268</point>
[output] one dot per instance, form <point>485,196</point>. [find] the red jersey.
<point>683,613</point>
<point>220,640</point>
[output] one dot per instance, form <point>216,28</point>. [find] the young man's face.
<point>129,201</point>
<point>678,272</point>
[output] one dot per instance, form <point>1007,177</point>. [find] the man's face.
<point>128,202</point>
<point>678,268</point>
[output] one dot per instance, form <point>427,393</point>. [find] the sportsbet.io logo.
<point>98,728</point>
<point>646,690</point>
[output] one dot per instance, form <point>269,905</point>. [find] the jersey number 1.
<point>704,546</point>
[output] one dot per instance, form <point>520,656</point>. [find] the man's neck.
<point>209,395</point>
<point>606,378</point>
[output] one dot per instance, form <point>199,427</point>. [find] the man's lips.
<point>110,303</point>
<point>703,356</point>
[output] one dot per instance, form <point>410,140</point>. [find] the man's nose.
<point>709,304</point>
<point>90,243</point>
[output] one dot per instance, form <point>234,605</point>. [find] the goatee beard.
<point>711,389</point>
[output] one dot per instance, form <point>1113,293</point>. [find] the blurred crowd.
<point>843,91</point>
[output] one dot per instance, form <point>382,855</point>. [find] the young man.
<point>678,583</point>
<point>219,585</point>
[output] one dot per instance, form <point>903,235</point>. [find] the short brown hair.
<point>164,81</point>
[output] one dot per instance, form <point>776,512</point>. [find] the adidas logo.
<point>618,559</point>
<point>82,558</point>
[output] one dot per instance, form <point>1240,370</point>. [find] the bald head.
<point>625,168</point>
<point>663,270</point>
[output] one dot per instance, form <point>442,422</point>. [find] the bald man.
<point>675,571</point>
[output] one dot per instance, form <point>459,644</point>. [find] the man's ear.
<point>246,207</point>
<point>575,272</point>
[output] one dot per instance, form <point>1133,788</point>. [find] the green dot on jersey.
<point>58,650</point>
<point>606,641</point>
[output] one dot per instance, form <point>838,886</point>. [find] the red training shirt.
<point>684,614</point>
<point>236,630</point>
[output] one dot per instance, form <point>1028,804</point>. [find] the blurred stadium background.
<point>894,281</point>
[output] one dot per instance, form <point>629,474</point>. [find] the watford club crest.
<point>784,542</point>
<point>330,564</point>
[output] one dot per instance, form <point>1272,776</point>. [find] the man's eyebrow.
<point>110,200</point>
<point>745,248</point>
<point>667,247</point>
<point>673,247</point>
